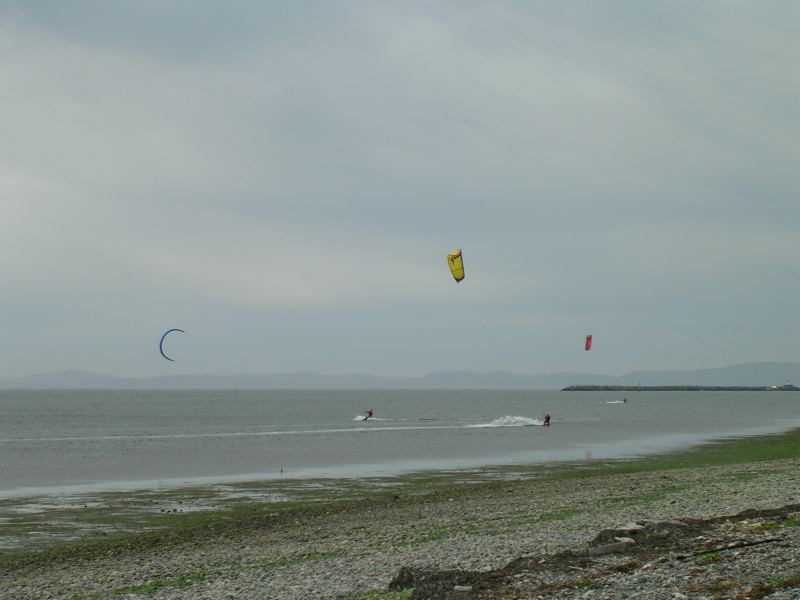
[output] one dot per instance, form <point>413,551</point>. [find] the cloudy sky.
<point>284,180</point>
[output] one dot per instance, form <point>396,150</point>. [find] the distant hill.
<point>752,374</point>
<point>762,373</point>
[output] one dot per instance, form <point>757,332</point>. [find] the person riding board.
<point>547,420</point>
<point>369,414</point>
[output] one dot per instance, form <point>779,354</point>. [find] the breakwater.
<point>664,388</point>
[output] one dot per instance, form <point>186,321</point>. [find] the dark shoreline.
<point>672,388</point>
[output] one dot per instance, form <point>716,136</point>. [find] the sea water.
<point>73,440</point>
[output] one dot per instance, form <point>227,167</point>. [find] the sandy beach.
<point>456,528</point>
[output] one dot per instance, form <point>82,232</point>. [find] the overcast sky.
<point>284,180</point>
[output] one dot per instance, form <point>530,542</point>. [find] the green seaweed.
<point>151,586</point>
<point>285,561</point>
<point>791,522</point>
<point>560,515</point>
<point>373,595</point>
<point>788,581</point>
<point>707,557</point>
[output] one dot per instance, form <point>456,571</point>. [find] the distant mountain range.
<point>751,374</point>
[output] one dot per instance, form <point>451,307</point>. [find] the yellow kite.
<point>456,264</point>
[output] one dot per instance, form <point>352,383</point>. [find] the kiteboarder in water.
<point>369,414</point>
<point>547,420</point>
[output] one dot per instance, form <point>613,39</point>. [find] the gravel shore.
<point>355,549</point>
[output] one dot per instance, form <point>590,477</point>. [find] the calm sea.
<point>54,441</point>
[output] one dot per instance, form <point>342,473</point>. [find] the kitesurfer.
<point>369,414</point>
<point>547,420</point>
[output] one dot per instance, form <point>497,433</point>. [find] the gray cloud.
<point>285,182</point>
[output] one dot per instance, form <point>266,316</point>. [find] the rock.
<point>432,584</point>
<point>616,547</point>
<point>631,527</point>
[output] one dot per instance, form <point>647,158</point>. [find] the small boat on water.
<point>786,387</point>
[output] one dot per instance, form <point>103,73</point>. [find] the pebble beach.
<point>356,548</point>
